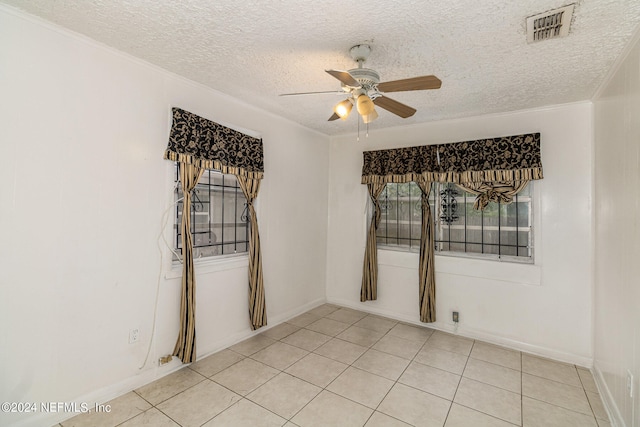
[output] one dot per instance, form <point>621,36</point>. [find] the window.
<point>499,231</point>
<point>219,216</point>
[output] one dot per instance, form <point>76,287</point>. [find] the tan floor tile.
<point>342,351</point>
<point>541,414</point>
<point>122,408</point>
<point>491,400</point>
<point>588,383</point>
<point>246,414</point>
<point>303,320</point>
<point>170,385</point>
<point>245,376</point>
<point>415,406</point>
<point>323,310</point>
<point>252,345</point>
<point>198,404</point>
<point>328,326</point>
<point>411,333</point>
<point>461,416</point>
<point>361,336</point>
<point>398,346</point>
<point>317,369</point>
<point>378,419</point>
<point>382,364</point>
<point>361,387</point>
<point>280,355</point>
<point>452,343</point>
<point>281,331</point>
<point>442,359</point>
<point>497,355</point>
<point>329,409</point>
<point>150,418</point>
<point>306,339</point>
<point>556,393</point>
<point>284,394</point>
<point>496,375</point>
<point>376,323</point>
<point>346,315</point>
<point>432,380</point>
<point>551,370</point>
<point>215,363</point>
<point>597,406</point>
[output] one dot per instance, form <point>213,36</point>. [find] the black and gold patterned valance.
<point>509,158</point>
<point>196,140</point>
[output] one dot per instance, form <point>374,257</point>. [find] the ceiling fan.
<point>364,90</point>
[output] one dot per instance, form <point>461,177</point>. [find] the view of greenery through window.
<point>498,231</point>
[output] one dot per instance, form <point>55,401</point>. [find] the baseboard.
<point>473,333</point>
<point>103,395</point>
<point>134,382</point>
<point>248,333</point>
<point>615,417</point>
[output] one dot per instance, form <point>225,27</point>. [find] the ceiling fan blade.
<point>394,107</point>
<point>333,117</point>
<point>313,93</point>
<point>414,83</point>
<point>344,77</point>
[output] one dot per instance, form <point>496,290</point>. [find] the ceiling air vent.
<point>549,25</point>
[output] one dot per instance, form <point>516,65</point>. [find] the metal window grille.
<point>500,231</point>
<point>219,216</point>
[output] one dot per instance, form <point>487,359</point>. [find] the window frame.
<point>210,188</point>
<point>533,218</point>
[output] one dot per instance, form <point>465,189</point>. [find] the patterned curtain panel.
<point>185,347</point>
<point>369,289</point>
<point>426,270</point>
<point>510,158</point>
<point>196,140</point>
<point>257,308</point>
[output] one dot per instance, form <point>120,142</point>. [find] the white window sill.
<point>518,273</point>
<point>210,265</point>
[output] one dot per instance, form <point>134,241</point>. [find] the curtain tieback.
<point>493,195</point>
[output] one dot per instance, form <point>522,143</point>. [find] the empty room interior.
<point>278,213</point>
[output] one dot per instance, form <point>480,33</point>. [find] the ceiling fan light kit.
<point>364,105</point>
<point>364,89</point>
<point>342,109</point>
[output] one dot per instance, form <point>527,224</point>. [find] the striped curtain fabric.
<point>426,269</point>
<point>257,308</point>
<point>369,290</point>
<point>185,348</point>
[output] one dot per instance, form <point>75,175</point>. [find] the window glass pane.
<point>219,222</point>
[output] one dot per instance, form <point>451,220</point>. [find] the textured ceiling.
<point>256,50</point>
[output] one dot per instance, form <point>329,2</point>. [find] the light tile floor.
<point>336,366</point>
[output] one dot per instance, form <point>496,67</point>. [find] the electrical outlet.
<point>630,383</point>
<point>134,335</point>
<point>456,317</point>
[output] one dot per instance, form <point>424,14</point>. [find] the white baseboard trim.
<point>615,417</point>
<point>248,333</point>
<point>103,395</point>
<point>473,333</point>
<point>112,391</point>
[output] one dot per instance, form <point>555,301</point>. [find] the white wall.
<point>543,308</point>
<point>617,238</point>
<point>84,185</point>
